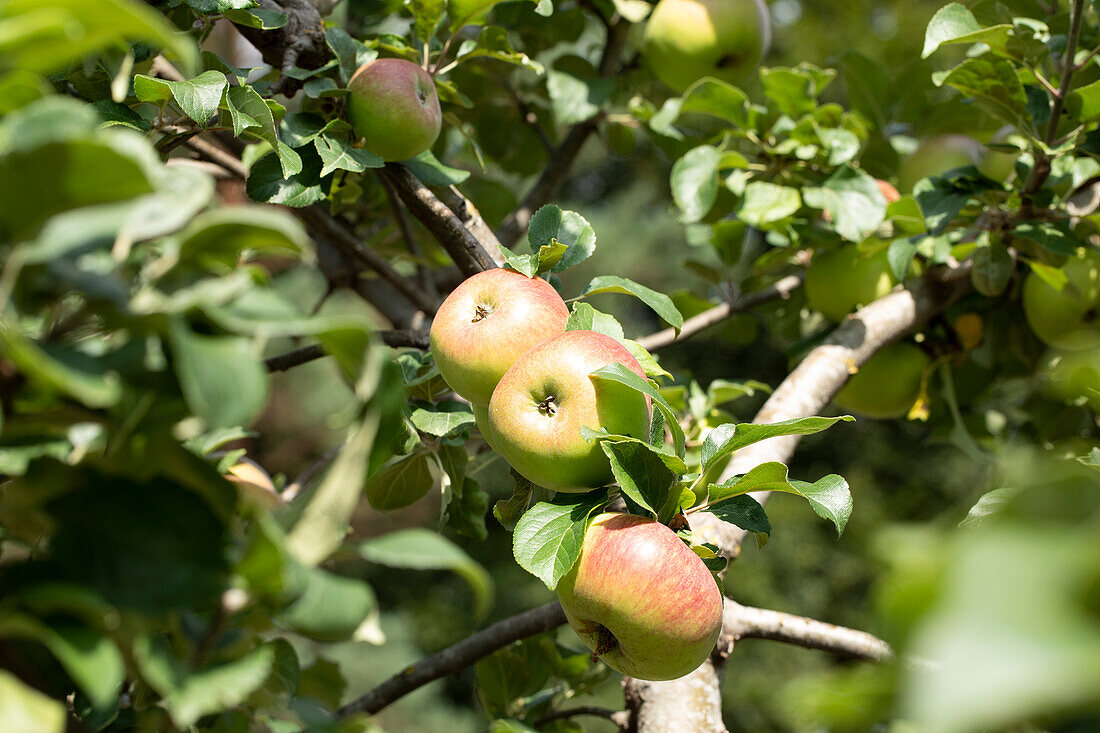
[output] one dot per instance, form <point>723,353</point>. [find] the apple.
<point>1068,318</point>
<point>937,155</point>
<point>686,40</point>
<point>486,323</point>
<point>393,106</point>
<point>641,600</point>
<point>838,280</point>
<point>541,403</point>
<point>887,385</point>
<point>888,191</point>
<point>1073,375</point>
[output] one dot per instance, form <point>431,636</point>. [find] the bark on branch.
<point>745,622</point>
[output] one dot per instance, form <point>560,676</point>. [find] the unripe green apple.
<point>938,155</point>
<point>686,40</point>
<point>1073,375</point>
<point>887,385</point>
<point>641,600</point>
<point>393,106</point>
<point>486,323</point>
<point>838,280</point>
<point>1068,318</point>
<point>541,403</point>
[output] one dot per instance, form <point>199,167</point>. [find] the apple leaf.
<point>729,437</point>
<point>222,379</point>
<point>900,254</point>
<point>248,111</point>
<point>618,373</point>
<point>423,549</point>
<point>508,511</point>
<point>694,182</point>
<point>829,496</point>
<point>550,224</point>
<point>533,265</point>
<point>330,608</point>
<point>711,556</point>
<point>259,18</point>
<point>643,474</point>
<point>586,318</point>
<point>338,155</point>
<point>992,270</point>
<point>349,52</point>
<point>442,419</point>
<point>766,205</point>
<point>401,483</point>
<point>431,171</point>
<point>661,304</point>
<point>548,538</point>
<point>198,98</point>
<point>852,199</point>
<point>493,43</point>
<point>955,23</point>
<point>745,512</point>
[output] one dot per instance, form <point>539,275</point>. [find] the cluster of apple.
<point>637,596</point>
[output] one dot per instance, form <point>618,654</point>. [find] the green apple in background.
<point>393,106</point>
<point>686,40</point>
<point>1074,375</point>
<point>937,155</point>
<point>541,403</point>
<point>887,385</point>
<point>999,164</point>
<point>1068,318</point>
<point>486,323</point>
<point>838,280</point>
<point>641,600</point>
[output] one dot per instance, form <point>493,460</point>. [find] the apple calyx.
<point>605,642</point>
<point>548,406</point>
<point>481,312</point>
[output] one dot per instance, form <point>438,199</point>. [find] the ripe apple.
<point>641,600</point>
<point>887,385</point>
<point>541,403</point>
<point>1069,318</point>
<point>394,108</point>
<point>686,40</point>
<point>488,321</point>
<point>938,155</point>
<point>838,280</point>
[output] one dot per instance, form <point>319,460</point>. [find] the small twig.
<point>1087,59</point>
<point>396,338</point>
<point>1045,82</point>
<point>780,289</point>
<point>1067,72</point>
<point>216,154</point>
<point>405,226</point>
<point>592,710</point>
<point>456,657</point>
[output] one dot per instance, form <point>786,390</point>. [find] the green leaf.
<point>223,235</point>
<point>793,91</point>
<point>422,549</point>
<point>994,86</point>
<point>829,496</point>
<point>508,511</point>
<point>330,608</point>
<point>92,389</point>
<point>661,304</point>
<point>259,18</point>
<point>349,52</point>
<point>189,695</point>
<point>89,657</point>
<point>547,540</point>
<point>694,182</point>
<point>575,99</point>
<point>266,182</point>
<point>198,98</point>
<point>401,483</point>
<point>729,437</point>
<point>442,419</point>
<point>222,379</point>
<point>550,224</point>
<point>718,99</point>
<point>954,23</point>
<point>721,391</point>
<point>766,204</point>
<point>426,16</point>
<point>544,260</point>
<point>619,373</point>
<point>900,255</point>
<point>428,169</point>
<point>325,520</point>
<point>1084,102</point>
<point>24,709</point>
<point>586,318</point>
<point>939,202</point>
<point>643,475</point>
<point>249,112</point>
<point>339,155</point>
<point>493,43</point>
<point>989,504</point>
<point>745,512</point>
<point>47,35</point>
<point>853,200</point>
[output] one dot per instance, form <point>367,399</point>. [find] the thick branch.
<point>468,214</point>
<point>780,289</point>
<point>561,159</point>
<point>470,254</point>
<point>459,656</point>
<point>745,622</point>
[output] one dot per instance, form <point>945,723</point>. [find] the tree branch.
<point>567,713</point>
<point>779,289</point>
<point>456,657</point>
<point>465,249</point>
<point>405,226</point>
<point>468,214</point>
<point>397,338</point>
<point>745,622</point>
<point>561,158</point>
